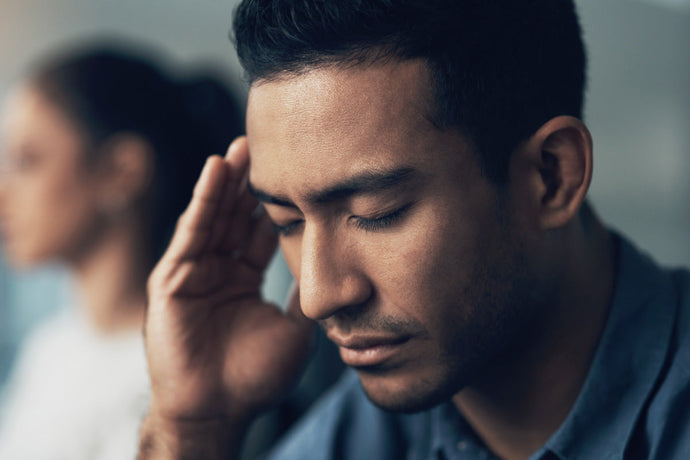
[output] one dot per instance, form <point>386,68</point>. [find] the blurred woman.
<point>101,149</point>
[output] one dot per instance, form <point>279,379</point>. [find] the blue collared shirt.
<point>635,403</point>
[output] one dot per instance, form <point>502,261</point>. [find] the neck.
<point>517,408</point>
<point>111,280</point>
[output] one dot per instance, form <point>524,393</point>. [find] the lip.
<point>368,351</point>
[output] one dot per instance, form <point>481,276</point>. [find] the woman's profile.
<point>101,149</point>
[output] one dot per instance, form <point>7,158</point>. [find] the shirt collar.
<point>452,435</point>
<point>626,365</point>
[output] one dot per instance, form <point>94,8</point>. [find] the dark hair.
<point>109,89</point>
<point>499,68</point>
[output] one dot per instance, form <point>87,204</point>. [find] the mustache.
<point>368,321</point>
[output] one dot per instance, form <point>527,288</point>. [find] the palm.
<point>215,348</point>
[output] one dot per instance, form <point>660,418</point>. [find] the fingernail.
<point>205,170</point>
<point>234,146</point>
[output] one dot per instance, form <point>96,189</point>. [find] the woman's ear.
<point>558,160</point>
<point>125,169</point>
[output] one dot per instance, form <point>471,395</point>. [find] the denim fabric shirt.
<point>635,403</point>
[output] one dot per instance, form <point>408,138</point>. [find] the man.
<point>425,167</point>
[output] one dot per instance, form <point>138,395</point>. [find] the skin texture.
<point>446,276</point>
<point>436,283</point>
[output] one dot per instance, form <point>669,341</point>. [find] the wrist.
<point>163,438</point>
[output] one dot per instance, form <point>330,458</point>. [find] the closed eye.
<point>287,229</point>
<point>382,222</point>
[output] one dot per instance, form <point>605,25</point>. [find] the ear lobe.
<point>565,169</point>
<point>126,171</point>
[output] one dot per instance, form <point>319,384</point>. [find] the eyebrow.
<point>366,182</point>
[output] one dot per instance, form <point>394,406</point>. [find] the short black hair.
<point>109,88</point>
<point>499,68</point>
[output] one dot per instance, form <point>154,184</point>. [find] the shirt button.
<point>462,446</point>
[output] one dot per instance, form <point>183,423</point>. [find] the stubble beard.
<point>502,301</point>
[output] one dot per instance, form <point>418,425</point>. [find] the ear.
<point>125,170</point>
<point>558,159</point>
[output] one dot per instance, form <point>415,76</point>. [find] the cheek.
<point>430,272</point>
<point>51,217</point>
<point>425,260</point>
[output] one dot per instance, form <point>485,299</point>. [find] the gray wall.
<point>190,31</point>
<point>638,109</point>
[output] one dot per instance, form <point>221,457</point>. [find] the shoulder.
<point>667,424</point>
<point>39,347</point>
<point>681,283</point>
<point>678,362</point>
<point>677,295</point>
<point>345,424</point>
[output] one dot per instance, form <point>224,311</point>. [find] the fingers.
<point>262,242</point>
<point>236,198</point>
<point>239,224</point>
<point>208,214</point>
<point>195,224</point>
<point>237,158</point>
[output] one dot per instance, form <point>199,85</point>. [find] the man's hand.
<point>217,353</point>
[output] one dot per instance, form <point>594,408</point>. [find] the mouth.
<point>360,351</point>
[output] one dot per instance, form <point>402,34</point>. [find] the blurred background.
<point>638,108</point>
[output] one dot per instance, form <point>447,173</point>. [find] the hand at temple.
<point>217,353</point>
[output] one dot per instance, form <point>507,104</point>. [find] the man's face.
<point>404,252</point>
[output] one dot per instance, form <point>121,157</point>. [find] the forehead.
<point>307,131</point>
<point>28,115</point>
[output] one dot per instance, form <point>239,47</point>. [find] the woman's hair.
<point>109,90</point>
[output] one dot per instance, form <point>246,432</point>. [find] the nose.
<point>331,278</point>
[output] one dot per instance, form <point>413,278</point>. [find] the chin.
<point>21,260</point>
<point>409,395</point>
